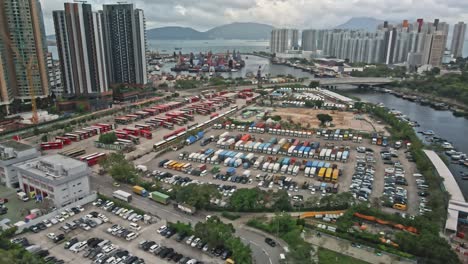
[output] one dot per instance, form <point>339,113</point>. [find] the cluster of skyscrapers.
<point>96,49</point>
<point>416,44</point>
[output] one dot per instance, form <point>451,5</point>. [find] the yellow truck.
<point>321,173</point>
<point>336,173</point>
<point>328,174</point>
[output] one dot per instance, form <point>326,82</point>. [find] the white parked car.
<point>162,228</point>
<point>51,236</point>
<point>131,236</point>
<point>195,242</point>
<point>134,226</point>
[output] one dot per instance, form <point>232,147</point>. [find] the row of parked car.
<point>59,218</point>
<point>37,250</point>
<point>195,242</point>
<point>126,233</point>
<point>102,251</point>
<point>167,253</point>
<point>127,214</point>
<point>363,177</point>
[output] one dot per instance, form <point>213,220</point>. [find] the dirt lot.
<point>148,232</point>
<point>307,117</point>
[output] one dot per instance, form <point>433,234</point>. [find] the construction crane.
<point>29,68</point>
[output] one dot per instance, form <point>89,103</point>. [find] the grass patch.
<point>326,256</point>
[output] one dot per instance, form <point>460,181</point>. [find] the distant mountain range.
<point>247,31</point>
<point>228,31</point>
<point>365,23</point>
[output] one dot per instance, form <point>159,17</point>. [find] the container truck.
<point>265,166</point>
<point>140,190</point>
<point>160,197</point>
<point>335,174</point>
<point>276,168</point>
<point>328,154</point>
<point>295,170</point>
<point>230,171</point>
<point>323,152</point>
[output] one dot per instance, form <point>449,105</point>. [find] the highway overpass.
<point>355,81</point>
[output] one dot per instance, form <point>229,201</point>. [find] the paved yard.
<point>148,232</point>
<point>17,209</point>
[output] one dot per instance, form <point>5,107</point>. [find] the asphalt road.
<point>262,253</point>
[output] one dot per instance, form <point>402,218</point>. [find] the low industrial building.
<point>60,179</point>
<point>11,153</point>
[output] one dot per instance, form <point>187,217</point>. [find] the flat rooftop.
<point>54,167</point>
<point>15,145</point>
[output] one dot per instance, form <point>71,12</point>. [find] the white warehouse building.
<point>61,179</point>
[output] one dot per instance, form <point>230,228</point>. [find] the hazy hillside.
<point>228,31</point>
<point>241,31</point>
<point>366,23</point>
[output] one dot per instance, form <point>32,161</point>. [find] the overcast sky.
<point>205,14</point>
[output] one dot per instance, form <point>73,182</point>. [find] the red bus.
<point>83,134</point>
<point>121,134</point>
<point>132,131</point>
<point>73,137</point>
<point>105,127</point>
<point>122,120</point>
<point>65,140</point>
<point>93,159</point>
<point>146,134</point>
<point>92,130</point>
<point>175,133</point>
<point>143,127</point>
<point>51,145</point>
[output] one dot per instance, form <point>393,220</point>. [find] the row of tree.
<point>12,253</point>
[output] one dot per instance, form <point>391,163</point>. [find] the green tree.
<point>119,168</point>
<point>282,202</point>
<point>108,138</point>
<point>324,118</point>
<point>81,108</point>
<point>36,131</point>
<point>276,118</point>
<point>44,138</point>
<point>314,84</point>
<point>247,199</point>
<point>198,196</point>
<point>214,232</point>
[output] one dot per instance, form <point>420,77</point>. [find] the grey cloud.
<point>205,14</point>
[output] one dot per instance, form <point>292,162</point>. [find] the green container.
<point>160,197</point>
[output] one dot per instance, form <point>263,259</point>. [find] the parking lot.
<point>299,185</point>
<point>118,247</point>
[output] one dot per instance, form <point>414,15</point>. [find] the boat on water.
<point>465,177</point>
<point>458,156</point>
<point>428,133</point>
<point>447,145</point>
<point>234,70</point>
<point>178,48</point>
<point>450,152</point>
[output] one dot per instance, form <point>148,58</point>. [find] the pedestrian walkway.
<point>344,247</point>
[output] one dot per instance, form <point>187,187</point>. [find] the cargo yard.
<point>304,163</point>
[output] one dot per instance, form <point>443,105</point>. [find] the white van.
<point>135,226</point>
